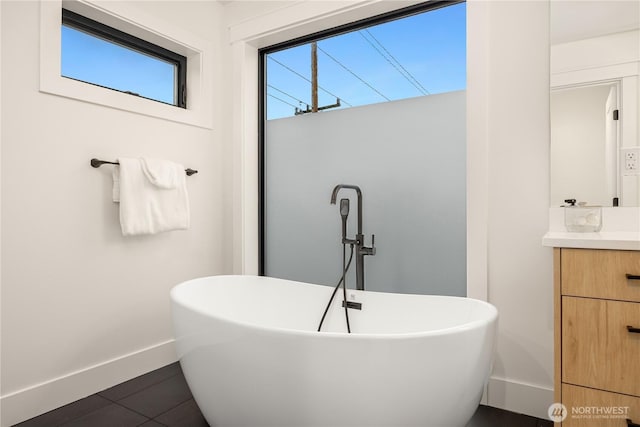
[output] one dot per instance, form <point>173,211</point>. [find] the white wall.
<point>508,172</point>
<point>516,135</point>
<point>82,307</point>
<point>596,52</point>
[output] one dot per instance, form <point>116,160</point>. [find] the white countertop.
<point>620,230</point>
<point>622,240</point>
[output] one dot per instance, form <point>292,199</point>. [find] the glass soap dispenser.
<point>582,218</point>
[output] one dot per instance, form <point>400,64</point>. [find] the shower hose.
<point>342,281</point>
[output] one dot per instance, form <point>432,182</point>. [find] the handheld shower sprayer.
<point>344,213</point>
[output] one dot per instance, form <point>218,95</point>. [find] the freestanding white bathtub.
<point>251,355</point>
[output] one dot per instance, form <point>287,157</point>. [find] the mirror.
<point>594,102</point>
<point>584,142</point>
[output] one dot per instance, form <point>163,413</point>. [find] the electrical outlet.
<point>630,160</point>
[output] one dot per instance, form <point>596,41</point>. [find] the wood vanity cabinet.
<point>597,336</point>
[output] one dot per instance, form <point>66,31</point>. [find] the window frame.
<point>262,93</point>
<point>203,74</point>
<point>110,34</point>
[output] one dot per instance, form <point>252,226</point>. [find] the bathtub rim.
<point>483,322</point>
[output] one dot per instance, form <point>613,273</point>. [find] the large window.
<point>407,156</point>
<point>100,55</point>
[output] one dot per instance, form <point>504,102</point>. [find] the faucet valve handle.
<point>372,249</point>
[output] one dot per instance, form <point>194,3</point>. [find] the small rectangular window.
<point>97,54</point>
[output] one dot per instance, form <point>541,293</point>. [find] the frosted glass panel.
<point>409,159</point>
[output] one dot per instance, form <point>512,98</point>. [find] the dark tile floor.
<point>162,398</point>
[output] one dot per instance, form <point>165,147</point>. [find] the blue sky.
<point>93,60</point>
<point>431,46</point>
<point>356,67</point>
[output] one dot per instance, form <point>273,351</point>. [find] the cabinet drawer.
<point>587,407</point>
<point>601,274</point>
<point>598,350</point>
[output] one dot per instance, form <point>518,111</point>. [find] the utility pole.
<point>314,86</point>
<point>314,77</point>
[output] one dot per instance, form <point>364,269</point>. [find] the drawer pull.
<point>633,330</point>
<point>631,423</point>
<point>632,276</point>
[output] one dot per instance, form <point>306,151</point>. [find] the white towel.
<point>152,194</point>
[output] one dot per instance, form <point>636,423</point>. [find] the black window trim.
<point>262,83</point>
<point>98,29</point>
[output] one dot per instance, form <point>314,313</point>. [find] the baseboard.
<point>485,400</point>
<point>40,398</point>
<point>523,398</point>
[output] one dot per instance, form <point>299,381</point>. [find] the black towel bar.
<point>97,163</point>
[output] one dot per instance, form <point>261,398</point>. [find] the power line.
<point>303,77</point>
<point>282,100</point>
<point>392,63</point>
<point>408,75</point>
<point>354,74</point>
<point>290,96</point>
<point>398,62</point>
